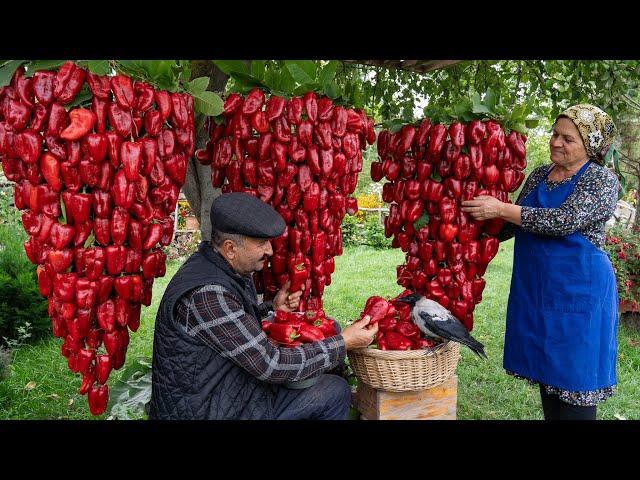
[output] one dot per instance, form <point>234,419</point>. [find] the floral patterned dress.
<point>586,210</point>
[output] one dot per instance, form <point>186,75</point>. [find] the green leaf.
<point>83,97</point>
<point>7,71</point>
<point>421,222</point>
<point>309,87</point>
<point>481,109</point>
<point>247,80</point>
<point>99,67</point>
<point>531,122</point>
<point>208,103</point>
<point>43,65</point>
<point>328,72</point>
<point>228,66</point>
<point>308,66</point>
<point>464,106</point>
<point>394,125</point>
<point>490,99</point>
<point>519,127</point>
<point>90,239</point>
<point>197,85</point>
<point>258,68</point>
<point>298,74</point>
<point>63,218</point>
<point>287,83</point>
<point>331,90</point>
<point>129,395</point>
<point>271,80</point>
<point>467,116</point>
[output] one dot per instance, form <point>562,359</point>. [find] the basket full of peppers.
<point>401,359</point>
<point>97,185</point>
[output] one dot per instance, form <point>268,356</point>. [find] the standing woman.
<point>562,314</point>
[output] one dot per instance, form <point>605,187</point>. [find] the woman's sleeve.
<point>593,200</point>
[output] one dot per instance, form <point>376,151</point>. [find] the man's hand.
<point>285,300</point>
<point>359,334</point>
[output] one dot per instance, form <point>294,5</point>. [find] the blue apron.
<point>562,314</point>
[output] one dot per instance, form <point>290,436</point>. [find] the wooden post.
<point>437,403</point>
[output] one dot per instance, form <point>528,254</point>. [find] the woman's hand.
<point>483,207</point>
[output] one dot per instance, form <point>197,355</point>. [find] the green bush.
<point>351,231</point>
<point>370,232</point>
<point>23,311</point>
<point>374,233</point>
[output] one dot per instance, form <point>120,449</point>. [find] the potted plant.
<point>623,247</point>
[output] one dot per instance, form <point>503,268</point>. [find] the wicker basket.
<point>401,371</point>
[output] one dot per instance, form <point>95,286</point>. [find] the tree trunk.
<point>197,186</point>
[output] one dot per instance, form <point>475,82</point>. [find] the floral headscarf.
<point>596,128</point>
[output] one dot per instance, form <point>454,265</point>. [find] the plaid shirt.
<point>217,317</point>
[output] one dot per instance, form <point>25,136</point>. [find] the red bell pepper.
<point>397,341</point>
<point>437,136</point>
<point>43,82</point>
<point>122,88</point>
<point>310,333</point>
<point>98,399</point>
<point>283,333</point>
<point>489,249</point>
<point>456,133</point>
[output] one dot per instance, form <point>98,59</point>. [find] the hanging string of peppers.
<point>97,187</point>
<point>302,156</point>
<point>430,170</point>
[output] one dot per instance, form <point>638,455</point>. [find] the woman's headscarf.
<point>596,128</point>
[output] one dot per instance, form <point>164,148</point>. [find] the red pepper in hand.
<point>298,273</point>
<point>376,307</point>
<point>283,333</point>
<point>310,333</point>
<point>326,326</point>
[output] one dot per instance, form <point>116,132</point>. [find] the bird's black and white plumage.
<point>436,322</point>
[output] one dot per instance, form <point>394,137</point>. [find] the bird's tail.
<point>475,346</point>
<point>411,299</point>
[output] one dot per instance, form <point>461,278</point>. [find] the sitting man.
<point>211,359</point>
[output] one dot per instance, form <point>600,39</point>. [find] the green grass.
<point>55,395</point>
<point>484,390</point>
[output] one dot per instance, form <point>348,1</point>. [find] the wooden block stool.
<point>437,403</point>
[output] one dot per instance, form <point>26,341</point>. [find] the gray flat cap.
<point>244,214</point>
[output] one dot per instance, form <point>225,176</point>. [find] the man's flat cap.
<point>244,214</point>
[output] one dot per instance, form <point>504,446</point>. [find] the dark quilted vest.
<point>191,380</point>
